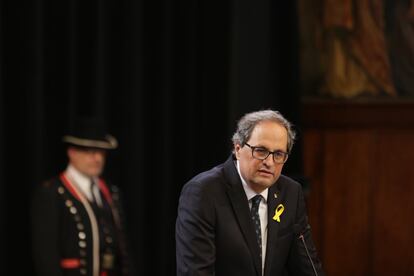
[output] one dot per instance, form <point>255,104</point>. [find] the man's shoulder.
<point>50,183</point>
<point>48,189</point>
<point>213,175</point>
<point>211,179</point>
<point>209,175</point>
<point>109,184</point>
<point>286,183</point>
<point>285,178</point>
<point>114,191</point>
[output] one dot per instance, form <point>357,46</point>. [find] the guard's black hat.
<point>90,133</point>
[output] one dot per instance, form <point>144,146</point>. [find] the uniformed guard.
<point>77,223</point>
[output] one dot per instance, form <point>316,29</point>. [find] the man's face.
<point>261,174</point>
<point>89,162</point>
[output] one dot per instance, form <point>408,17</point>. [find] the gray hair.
<point>248,122</point>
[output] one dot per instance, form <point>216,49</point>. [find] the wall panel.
<point>359,159</point>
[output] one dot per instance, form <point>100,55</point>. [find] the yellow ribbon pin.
<point>278,212</point>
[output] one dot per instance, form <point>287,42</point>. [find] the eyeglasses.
<point>262,153</point>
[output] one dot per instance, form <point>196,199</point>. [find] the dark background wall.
<point>170,78</point>
<point>358,157</point>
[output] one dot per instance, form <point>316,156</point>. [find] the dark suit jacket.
<point>215,234</point>
<point>56,234</point>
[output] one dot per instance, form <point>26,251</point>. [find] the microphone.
<point>302,238</point>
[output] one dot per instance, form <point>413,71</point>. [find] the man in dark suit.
<point>77,224</point>
<point>243,218</point>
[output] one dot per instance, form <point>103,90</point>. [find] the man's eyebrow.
<point>263,147</point>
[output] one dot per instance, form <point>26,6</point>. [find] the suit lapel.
<point>273,200</point>
<point>241,209</point>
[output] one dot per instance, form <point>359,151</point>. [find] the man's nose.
<point>97,155</point>
<point>269,160</point>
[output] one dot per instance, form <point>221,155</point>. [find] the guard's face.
<point>261,174</point>
<point>89,162</point>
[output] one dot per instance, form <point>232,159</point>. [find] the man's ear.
<point>69,151</point>
<point>237,149</point>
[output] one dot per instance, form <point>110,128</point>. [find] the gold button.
<point>73,210</point>
<point>108,239</point>
<point>82,244</point>
<point>82,235</point>
<point>61,190</point>
<point>68,203</point>
<point>80,226</point>
<point>82,262</point>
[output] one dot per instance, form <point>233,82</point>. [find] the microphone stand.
<point>307,253</point>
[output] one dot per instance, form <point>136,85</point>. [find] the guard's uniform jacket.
<point>72,236</point>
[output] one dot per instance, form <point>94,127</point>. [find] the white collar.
<point>81,180</point>
<point>249,191</point>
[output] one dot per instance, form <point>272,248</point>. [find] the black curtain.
<point>170,78</point>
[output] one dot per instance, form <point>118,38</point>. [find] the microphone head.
<point>298,230</point>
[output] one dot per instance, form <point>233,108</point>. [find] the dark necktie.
<point>93,192</point>
<point>254,211</point>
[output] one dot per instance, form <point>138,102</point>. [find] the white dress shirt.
<point>83,183</point>
<point>262,212</point>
